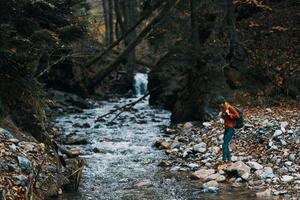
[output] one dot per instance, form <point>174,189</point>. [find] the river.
<point>126,165</point>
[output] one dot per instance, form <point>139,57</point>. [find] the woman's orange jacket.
<point>229,120</point>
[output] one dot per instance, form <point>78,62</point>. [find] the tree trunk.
<point>119,18</point>
<point>194,26</point>
<point>108,18</point>
<point>230,20</point>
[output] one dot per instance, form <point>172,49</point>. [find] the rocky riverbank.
<point>265,153</point>
<point>26,169</point>
<point>39,170</point>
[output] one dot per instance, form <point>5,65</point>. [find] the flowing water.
<point>126,165</point>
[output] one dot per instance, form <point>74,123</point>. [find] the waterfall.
<point>140,84</point>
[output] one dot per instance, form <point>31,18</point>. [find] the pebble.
<point>277,133</point>
<point>287,178</point>
<point>292,157</point>
<point>193,165</point>
<point>206,124</point>
<point>144,183</point>
<point>254,165</point>
<point>200,148</point>
<point>284,124</point>
<point>267,193</point>
<point>210,190</point>
<point>188,125</point>
<point>265,173</point>
<point>288,163</point>
<point>175,169</point>
<point>21,180</point>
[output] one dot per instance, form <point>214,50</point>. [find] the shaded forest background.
<point>246,50</point>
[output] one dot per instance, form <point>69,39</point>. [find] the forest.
<point>149,99</point>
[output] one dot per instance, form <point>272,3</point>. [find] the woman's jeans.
<point>227,138</point>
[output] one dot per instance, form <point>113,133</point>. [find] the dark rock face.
<point>188,81</point>
<point>195,101</point>
<point>167,78</point>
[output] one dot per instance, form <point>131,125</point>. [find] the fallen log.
<point>115,43</point>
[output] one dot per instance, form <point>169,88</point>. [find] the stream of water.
<point>126,165</point>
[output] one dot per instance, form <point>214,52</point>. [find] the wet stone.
<point>267,172</point>
<point>211,184</point>
<point>21,180</point>
<point>76,139</point>
<point>254,165</point>
<point>287,178</point>
<point>264,194</point>
<point>239,167</point>
<point>24,163</point>
<point>144,183</point>
<point>3,166</point>
<point>200,148</point>
<point>203,173</point>
<point>5,134</point>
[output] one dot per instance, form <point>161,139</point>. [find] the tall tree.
<point>230,21</point>
<point>108,19</point>
<point>194,25</point>
<point>120,29</point>
<point>132,16</point>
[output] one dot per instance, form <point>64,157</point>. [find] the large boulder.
<point>240,168</point>
<point>203,174</point>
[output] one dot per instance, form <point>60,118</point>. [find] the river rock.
<point>162,144</point>
<point>215,150</point>
<point>144,183</point>
<point>254,165</point>
<point>264,194</point>
<point>245,176</point>
<point>265,173</point>
<point>284,124</point>
<point>211,184</point>
<point>193,165</point>
<point>76,139</point>
<point>203,173</point>
<point>277,133</point>
<point>175,169</point>
<point>206,124</point>
<point>21,180</point>
<point>210,190</point>
<point>86,125</point>
<point>240,167</point>
<point>24,163</point>
<point>287,178</point>
<point>5,134</point>
<point>292,157</point>
<point>188,125</point>
<point>200,148</point>
<point>217,177</point>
